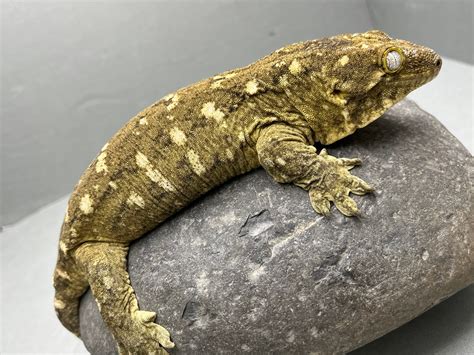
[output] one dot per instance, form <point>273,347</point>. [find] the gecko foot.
<point>142,336</point>
<point>134,330</point>
<point>336,184</point>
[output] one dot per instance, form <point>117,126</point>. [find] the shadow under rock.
<point>426,334</point>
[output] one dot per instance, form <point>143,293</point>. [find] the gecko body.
<point>268,114</point>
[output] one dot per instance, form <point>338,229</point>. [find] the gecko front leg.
<point>105,265</point>
<point>287,155</point>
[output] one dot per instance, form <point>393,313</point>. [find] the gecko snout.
<point>423,60</point>
<point>434,61</point>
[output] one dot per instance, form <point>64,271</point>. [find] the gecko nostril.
<point>438,62</point>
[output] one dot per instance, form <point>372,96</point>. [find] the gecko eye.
<point>392,59</point>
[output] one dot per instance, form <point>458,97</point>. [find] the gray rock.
<point>251,268</point>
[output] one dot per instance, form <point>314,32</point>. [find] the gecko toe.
<point>359,186</point>
<point>319,202</point>
<point>347,206</point>
<point>146,316</point>
<point>163,336</point>
<point>350,163</point>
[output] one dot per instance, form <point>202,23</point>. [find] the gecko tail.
<point>70,284</point>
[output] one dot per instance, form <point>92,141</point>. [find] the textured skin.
<point>268,114</point>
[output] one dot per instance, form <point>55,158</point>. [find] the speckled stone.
<point>251,268</point>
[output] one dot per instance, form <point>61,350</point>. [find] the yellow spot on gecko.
<point>280,64</point>
<point>104,147</point>
<point>209,111</point>
<point>101,166</point>
<point>62,246</point>
<point>216,84</point>
<point>62,274</point>
<point>174,101</point>
<point>153,174</point>
<point>344,60</point>
<point>113,185</point>
<point>86,204</point>
<point>387,103</point>
<point>196,165</point>
<point>281,161</point>
<point>108,282</point>
<point>283,80</point>
<point>295,67</point>
<point>135,199</point>
<point>58,304</point>
<point>143,121</point>
<point>178,136</point>
<point>251,87</point>
<point>345,114</point>
<point>229,154</point>
<point>142,160</point>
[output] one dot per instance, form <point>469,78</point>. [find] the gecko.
<point>268,114</point>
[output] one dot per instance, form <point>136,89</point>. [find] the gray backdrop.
<point>73,73</point>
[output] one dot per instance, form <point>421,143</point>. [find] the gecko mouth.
<point>419,78</point>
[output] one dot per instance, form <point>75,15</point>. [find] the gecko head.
<point>355,78</point>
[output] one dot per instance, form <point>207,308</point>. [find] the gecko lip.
<point>427,75</point>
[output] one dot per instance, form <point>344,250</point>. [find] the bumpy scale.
<point>268,114</point>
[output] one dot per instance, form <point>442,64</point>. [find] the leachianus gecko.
<point>269,113</point>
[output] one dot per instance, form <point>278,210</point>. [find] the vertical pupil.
<point>393,60</point>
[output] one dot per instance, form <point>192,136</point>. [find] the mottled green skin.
<point>268,114</point>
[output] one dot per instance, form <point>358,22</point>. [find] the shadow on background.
<point>428,333</point>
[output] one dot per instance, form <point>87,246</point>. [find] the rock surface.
<point>251,268</point>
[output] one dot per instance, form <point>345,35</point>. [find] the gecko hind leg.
<point>70,284</point>
<point>105,265</point>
